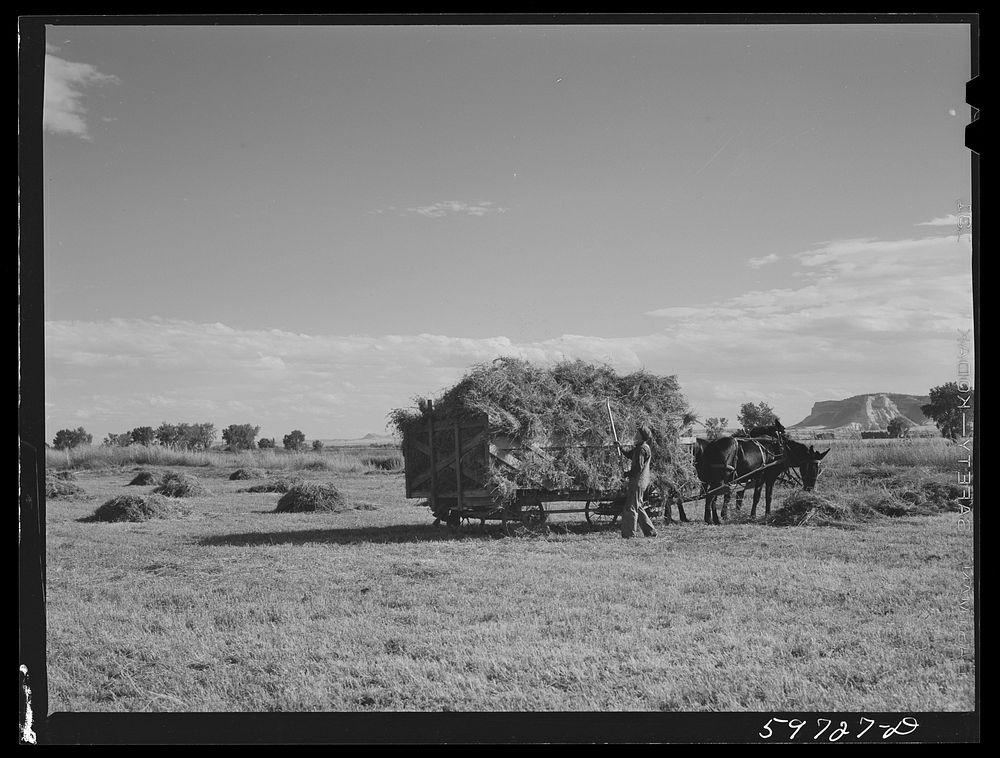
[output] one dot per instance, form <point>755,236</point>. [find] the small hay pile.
<point>147,477</point>
<point>562,406</point>
<point>279,484</point>
<point>930,497</point>
<point>310,496</point>
<point>138,508</point>
<point>384,462</point>
<point>66,476</point>
<point>61,489</point>
<point>246,473</point>
<point>803,508</point>
<point>884,503</point>
<point>181,485</point>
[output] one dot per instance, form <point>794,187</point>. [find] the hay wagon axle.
<point>529,512</point>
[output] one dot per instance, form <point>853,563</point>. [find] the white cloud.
<point>951,220</point>
<point>270,362</point>
<point>455,208</point>
<point>868,316</point>
<point>762,261</point>
<point>170,369</point>
<point>65,82</point>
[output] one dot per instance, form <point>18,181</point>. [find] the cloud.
<point>455,208</point>
<point>65,82</point>
<point>762,261</point>
<point>867,316</point>
<point>951,220</point>
<point>157,369</point>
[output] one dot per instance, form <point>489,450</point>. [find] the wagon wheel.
<point>655,503</point>
<point>529,521</point>
<point>600,514</point>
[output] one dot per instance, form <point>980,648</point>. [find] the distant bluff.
<point>866,411</point>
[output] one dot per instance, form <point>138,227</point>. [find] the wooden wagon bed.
<point>448,463</point>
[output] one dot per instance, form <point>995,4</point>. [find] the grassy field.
<point>344,460</point>
<point>238,608</point>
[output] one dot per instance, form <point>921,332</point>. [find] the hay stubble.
<point>238,608</point>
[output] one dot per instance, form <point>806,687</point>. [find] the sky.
<point>306,227</point>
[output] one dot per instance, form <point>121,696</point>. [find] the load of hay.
<point>557,418</point>
<point>138,508</point>
<point>310,496</point>
<point>246,473</point>
<point>181,485</point>
<point>146,477</point>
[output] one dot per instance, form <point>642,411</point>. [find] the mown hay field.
<point>371,607</point>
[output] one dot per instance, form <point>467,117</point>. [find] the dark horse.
<point>776,430</point>
<point>697,452</point>
<point>729,458</point>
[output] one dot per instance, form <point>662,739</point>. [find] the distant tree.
<point>240,436</point>
<point>69,438</point>
<point>755,415</point>
<point>294,440</point>
<point>199,436</point>
<point>716,427</point>
<point>265,443</point>
<point>184,433</point>
<point>143,435</point>
<point>947,407</point>
<point>899,427</point>
<point>168,434</point>
<point>317,445</point>
<point>118,440</point>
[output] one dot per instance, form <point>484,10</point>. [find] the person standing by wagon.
<point>634,510</point>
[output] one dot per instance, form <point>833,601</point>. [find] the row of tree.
<point>950,408</point>
<point>750,416</point>
<point>185,436</point>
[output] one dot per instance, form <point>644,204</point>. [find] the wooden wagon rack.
<point>448,463</point>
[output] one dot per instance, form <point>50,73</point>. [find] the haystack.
<point>181,485</point>
<point>931,497</point>
<point>310,496</point>
<point>246,473</point>
<point>803,508</point>
<point>563,409</point>
<point>138,508</point>
<point>146,477</point>
<point>940,496</point>
<point>59,489</point>
<point>279,484</point>
<point>885,503</point>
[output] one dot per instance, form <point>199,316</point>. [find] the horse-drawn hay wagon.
<point>517,441</point>
<point>452,464</point>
